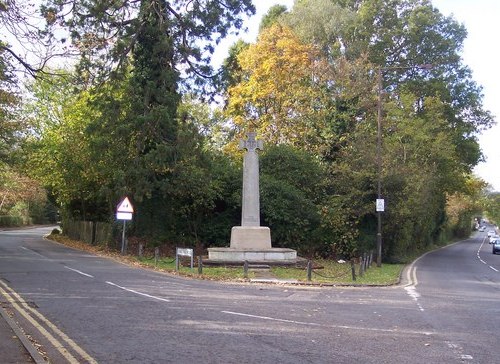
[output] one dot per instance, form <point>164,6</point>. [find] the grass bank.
<point>324,271</point>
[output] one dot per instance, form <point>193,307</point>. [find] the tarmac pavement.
<point>15,348</point>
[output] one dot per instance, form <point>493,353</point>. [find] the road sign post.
<point>124,212</point>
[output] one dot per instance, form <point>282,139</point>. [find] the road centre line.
<point>346,327</point>
<point>79,272</point>
<point>34,252</point>
<point>138,293</point>
<point>271,318</point>
<point>20,305</point>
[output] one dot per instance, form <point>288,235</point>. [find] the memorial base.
<point>250,237</point>
<point>255,256</point>
<point>251,244</point>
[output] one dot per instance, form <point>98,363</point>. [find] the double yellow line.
<point>61,342</point>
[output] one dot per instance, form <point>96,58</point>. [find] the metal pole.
<point>309,270</point>
<point>379,167</point>
<point>123,237</point>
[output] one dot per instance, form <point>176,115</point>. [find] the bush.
<point>9,221</point>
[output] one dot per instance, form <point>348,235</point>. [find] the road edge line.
<point>28,345</point>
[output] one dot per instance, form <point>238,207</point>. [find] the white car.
<point>494,238</point>
<point>491,233</point>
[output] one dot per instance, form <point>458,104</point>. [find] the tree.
<point>277,95</point>
<point>106,33</point>
<point>402,34</point>
<point>273,15</point>
<point>9,100</point>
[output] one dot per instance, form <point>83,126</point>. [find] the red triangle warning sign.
<point>125,206</point>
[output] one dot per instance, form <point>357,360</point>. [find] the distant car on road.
<point>496,246</point>
<point>494,238</point>
<point>482,228</point>
<point>491,233</point>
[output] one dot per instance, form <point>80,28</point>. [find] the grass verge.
<point>331,272</point>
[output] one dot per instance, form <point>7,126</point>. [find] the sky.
<point>480,52</point>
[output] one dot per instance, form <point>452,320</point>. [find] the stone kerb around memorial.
<point>250,241</point>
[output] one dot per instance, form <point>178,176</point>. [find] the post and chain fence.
<point>365,261</point>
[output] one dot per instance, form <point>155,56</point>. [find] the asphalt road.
<point>83,308</point>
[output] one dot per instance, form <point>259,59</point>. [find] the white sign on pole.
<point>124,216</point>
<point>380,205</point>
<point>183,252</point>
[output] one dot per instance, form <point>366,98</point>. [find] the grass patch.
<point>216,273</point>
<point>331,272</point>
<point>341,273</point>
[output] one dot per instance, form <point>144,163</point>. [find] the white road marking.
<point>34,252</point>
<point>17,301</point>
<point>79,272</point>
<point>271,318</point>
<point>481,260</point>
<point>426,333</point>
<point>411,288</point>
<point>138,293</point>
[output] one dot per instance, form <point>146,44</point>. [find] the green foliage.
<point>107,33</point>
<point>291,186</point>
<point>308,86</point>
<point>273,15</point>
<point>10,221</point>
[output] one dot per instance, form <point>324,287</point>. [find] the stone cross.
<point>250,211</point>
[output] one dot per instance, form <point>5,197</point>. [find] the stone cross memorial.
<point>251,242</point>
<point>250,235</point>
<point>250,212</point>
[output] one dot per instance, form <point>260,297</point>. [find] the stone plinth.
<point>252,244</point>
<point>232,255</point>
<point>250,237</point>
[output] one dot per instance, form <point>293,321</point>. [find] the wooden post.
<point>157,255</point>
<point>353,270</point>
<point>245,269</point>
<point>141,250</point>
<point>200,265</point>
<point>361,266</point>
<point>309,270</point>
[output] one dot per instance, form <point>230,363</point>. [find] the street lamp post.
<point>380,203</point>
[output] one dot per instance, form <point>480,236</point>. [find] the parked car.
<point>496,246</point>
<point>494,238</point>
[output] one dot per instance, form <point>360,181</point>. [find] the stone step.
<point>259,267</point>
